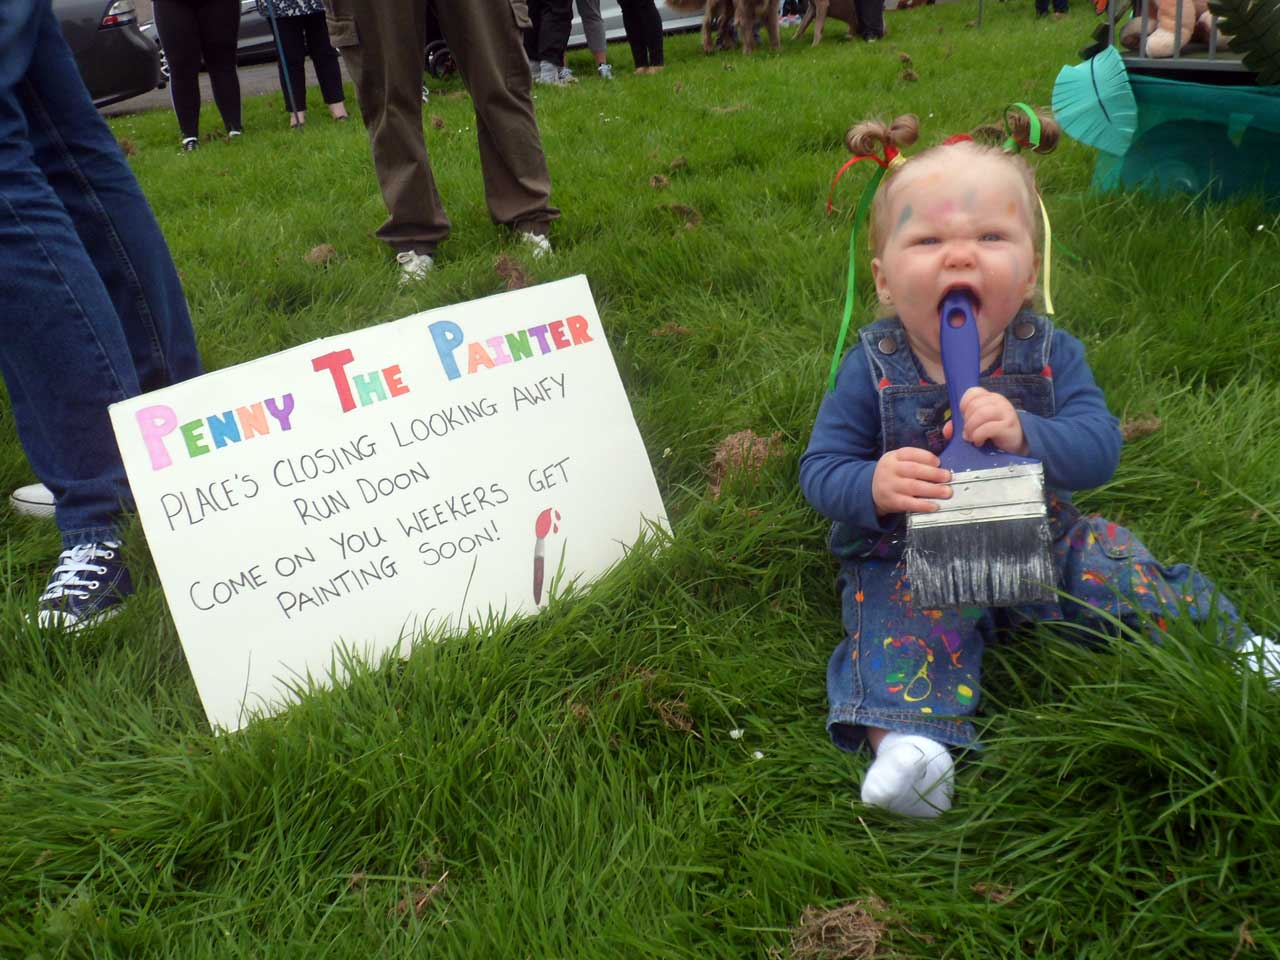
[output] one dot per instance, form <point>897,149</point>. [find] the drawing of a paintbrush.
<point>541,528</point>
<point>989,545</point>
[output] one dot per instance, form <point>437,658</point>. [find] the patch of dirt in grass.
<point>745,450</point>
<point>670,329</point>
<point>678,163</point>
<point>659,182</point>
<point>731,108</point>
<point>511,271</point>
<point>422,894</point>
<point>127,146</point>
<point>853,931</point>
<point>688,214</point>
<point>674,714</point>
<point>320,255</point>
<point>1137,427</point>
<point>995,892</point>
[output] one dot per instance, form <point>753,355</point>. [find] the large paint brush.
<point>989,545</point>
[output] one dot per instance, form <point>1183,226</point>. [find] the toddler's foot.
<point>911,775</point>
<point>1264,654</point>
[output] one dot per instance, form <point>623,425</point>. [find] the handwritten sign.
<point>362,488</point>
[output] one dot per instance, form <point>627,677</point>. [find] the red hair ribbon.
<point>889,154</point>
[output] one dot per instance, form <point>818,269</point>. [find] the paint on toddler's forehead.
<point>903,218</point>
<point>940,210</point>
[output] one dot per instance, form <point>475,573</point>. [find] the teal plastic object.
<point>1197,138</point>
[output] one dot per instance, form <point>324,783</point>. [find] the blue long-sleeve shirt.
<point>1079,445</point>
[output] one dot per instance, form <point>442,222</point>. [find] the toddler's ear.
<point>882,285</point>
<point>1033,281</point>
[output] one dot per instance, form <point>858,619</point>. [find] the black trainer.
<point>89,584</point>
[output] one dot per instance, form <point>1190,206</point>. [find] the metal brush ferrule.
<point>977,496</point>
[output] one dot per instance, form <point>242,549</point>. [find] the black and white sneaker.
<point>89,584</point>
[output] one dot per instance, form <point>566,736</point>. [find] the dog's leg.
<point>744,16</point>
<point>706,27</point>
<point>805,21</point>
<point>771,24</point>
<point>821,20</point>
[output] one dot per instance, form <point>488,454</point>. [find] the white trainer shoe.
<point>414,266</point>
<point>539,245</point>
<point>33,500</point>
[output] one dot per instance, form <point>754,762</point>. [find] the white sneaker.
<point>413,266</point>
<point>33,500</point>
<point>549,75</point>
<point>539,245</point>
<point>566,75</point>
<point>1264,653</point>
<point>605,71</point>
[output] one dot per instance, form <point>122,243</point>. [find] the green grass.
<point>574,776</point>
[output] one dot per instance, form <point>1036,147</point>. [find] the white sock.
<point>1265,653</point>
<point>911,775</point>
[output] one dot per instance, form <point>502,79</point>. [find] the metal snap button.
<point>888,346</point>
<point>1025,330</point>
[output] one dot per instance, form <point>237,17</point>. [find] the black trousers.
<point>195,30</point>
<point>302,37</point>
<point>643,23</point>
<point>549,38</point>
<point>870,18</point>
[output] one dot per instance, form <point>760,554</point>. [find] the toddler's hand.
<point>909,480</point>
<point>990,416</point>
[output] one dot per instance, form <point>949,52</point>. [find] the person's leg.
<point>651,32</point>
<point>593,28</point>
<point>179,35</point>
<point>485,39</point>
<point>63,351</point>
<point>633,23</point>
<point>384,43</point>
<point>293,79</point>
<point>219,31</point>
<point>553,31</point>
<point>906,681</point>
<point>325,61</point>
<point>870,15</point>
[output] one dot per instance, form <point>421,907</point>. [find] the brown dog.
<point>817,12</point>
<point>746,14</point>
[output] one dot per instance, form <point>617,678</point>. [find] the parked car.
<point>673,21</point>
<point>115,59</point>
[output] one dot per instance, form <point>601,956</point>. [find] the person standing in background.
<point>597,42</point>
<point>93,311</point>
<point>547,39</point>
<point>299,24</point>
<point>195,30</point>
<point>383,43</point>
<point>643,24</point>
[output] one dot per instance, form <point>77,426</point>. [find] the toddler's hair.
<point>873,136</point>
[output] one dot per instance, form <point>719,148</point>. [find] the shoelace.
<point>76,561</point>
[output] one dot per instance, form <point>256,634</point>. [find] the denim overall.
<point>920,671</point>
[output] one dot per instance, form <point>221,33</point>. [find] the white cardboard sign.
<point>363,487</point>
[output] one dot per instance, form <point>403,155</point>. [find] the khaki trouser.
<point>383,43</point>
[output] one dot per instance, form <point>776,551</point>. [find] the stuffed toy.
<point>1165,36</point>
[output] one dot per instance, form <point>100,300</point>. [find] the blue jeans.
<point>91,309</point>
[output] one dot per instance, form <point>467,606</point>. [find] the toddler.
<point>962,216</point>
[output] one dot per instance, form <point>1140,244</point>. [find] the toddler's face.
<point>958,220</point>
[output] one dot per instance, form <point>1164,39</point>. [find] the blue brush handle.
<point>962,364</point>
